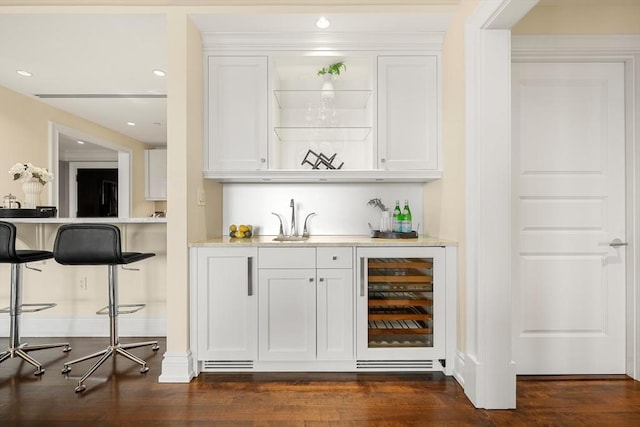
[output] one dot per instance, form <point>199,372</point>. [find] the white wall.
<point>341,208</point>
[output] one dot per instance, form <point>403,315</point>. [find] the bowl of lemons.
<point>242,231</point>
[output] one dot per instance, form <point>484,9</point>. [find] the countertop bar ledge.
<point>108,220</point>
<point>355,240</point>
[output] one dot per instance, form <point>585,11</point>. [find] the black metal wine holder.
<point>316,160</point>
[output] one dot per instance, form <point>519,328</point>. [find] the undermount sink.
<point>291,238</point>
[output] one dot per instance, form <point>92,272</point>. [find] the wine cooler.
<point>401,301</point>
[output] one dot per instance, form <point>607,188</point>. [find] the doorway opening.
<point>72,147</point>
<point>96,191</point>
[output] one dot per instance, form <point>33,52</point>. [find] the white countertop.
<point>109,220</point>
<point>358,240</point>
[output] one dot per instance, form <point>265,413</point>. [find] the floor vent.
<point>231,365</point>
<point>400,365</point>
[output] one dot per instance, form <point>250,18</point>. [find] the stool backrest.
<point>88,244</point>
<point>7,242</point>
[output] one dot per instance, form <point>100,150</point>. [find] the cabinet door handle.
<point>310,279</point>
<point>263,160</point>
<point>362,262</point>
<point>335,257</point>
<point>250,276</point>
<point>321,279</point>
<point>382,160</point>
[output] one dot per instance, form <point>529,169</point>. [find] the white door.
<point>237,113</point>
<point>287,314</point>
<point>227,304</point>
<point>408,112</point>
<point>568,206</point>
<point>334,318</point>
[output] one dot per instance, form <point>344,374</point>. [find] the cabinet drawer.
<point>287,258</point>
<point>334,257</point>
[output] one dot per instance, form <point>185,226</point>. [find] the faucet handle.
<point>305,232</point>
<point>281,232</point>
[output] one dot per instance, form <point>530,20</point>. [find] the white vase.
<point>327,88</point>
<point>32,190</point>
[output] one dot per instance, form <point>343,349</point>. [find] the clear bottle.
<point>397,218</point>
<point>407,225</point>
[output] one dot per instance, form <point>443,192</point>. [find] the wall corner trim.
<point>177,367</point>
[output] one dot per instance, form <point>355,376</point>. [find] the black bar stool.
<point>100,244</point>
<point>18,258</point>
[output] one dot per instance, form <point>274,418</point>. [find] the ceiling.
<point>99,67</point>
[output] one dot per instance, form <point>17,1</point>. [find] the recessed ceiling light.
<point>24,73</point>
<point>131,124</point>
<point>159,73</point>
<point>81,142</point>
<point>323,23</point>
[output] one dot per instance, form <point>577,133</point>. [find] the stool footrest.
<point>133,309</point>
<point>35,307</point>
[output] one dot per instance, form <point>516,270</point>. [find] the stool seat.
<point>100,244</point>
<point>17,258</point>
<point>28,255</point>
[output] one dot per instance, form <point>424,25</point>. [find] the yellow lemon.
<point>233,227</point>
<point>239,234</point>
<point>243,228</point>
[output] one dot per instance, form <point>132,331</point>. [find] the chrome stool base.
<point>22,350</point>
<point>105,354</point>
<point>15,310</point>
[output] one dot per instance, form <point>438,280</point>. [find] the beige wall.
<point>582,19</point>
<point>444,200</point>
<point>24,137</point>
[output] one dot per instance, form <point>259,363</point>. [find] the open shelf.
<point>338,99</point>
<point>317,134</point>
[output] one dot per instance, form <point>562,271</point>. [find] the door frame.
<point>486,368</point>
<point>625,49</point>
<point>124,164</point>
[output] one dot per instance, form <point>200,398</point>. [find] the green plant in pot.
<point>329,73</point>
<point>333,69</point>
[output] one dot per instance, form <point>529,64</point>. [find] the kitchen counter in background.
<point>353,241</point>
<point>108,220</point>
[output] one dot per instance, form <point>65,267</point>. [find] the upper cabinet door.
<point>408,109</point>
<point>237,113</point>
<point>155,187</point>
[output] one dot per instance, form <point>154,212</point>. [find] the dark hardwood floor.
<point>119,395</point>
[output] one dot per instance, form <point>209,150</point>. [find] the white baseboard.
<point>177,367</point>
<point>90,326</point>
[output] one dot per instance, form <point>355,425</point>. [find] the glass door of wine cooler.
<point>400,304</point>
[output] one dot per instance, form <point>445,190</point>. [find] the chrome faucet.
<point>305,231</point>
<point>281,232</point>
<point>293,232</point>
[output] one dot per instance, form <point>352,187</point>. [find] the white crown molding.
<point>83,156</point>
<point>574,45</point>
<point>238,42</point>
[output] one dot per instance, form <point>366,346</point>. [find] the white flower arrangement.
<point>27,171</point>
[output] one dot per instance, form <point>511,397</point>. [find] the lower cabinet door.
<point>227,304</point>
<point>335,314</point>
<point>287,314</point>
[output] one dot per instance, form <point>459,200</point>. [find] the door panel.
<point>568,204</point>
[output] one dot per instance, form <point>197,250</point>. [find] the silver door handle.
<point>616,243</point>
<point>250,276</point>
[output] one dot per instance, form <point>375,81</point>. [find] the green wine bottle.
<point>407,225</point>
<point>397,218</point>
